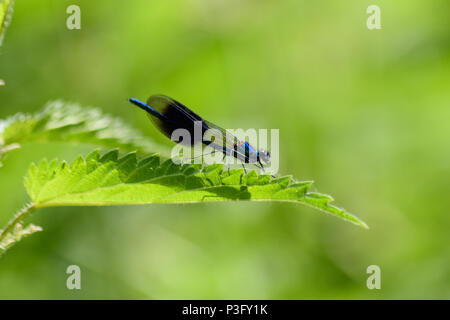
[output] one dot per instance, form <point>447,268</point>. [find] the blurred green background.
<point>364,113</point>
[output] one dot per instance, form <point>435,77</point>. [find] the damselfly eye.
<point>264,156</point>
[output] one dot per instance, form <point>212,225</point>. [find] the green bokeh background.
<point>364,113</point>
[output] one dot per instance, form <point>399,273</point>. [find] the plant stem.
<point>10,147</point>
<point>20,216</point>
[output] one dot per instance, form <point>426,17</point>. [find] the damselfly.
<point>168,115</point>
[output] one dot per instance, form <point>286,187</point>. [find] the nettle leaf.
<point>112,180</point>
<point>68,122</point>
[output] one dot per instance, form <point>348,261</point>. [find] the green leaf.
<point>68,122</point>
<point>6,7</point>
<point>112,180</point>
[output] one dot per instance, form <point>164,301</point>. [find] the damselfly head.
<point>264,156</point>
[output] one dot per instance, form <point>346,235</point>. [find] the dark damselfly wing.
<point>172,115</point>
<point>177,115</point>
